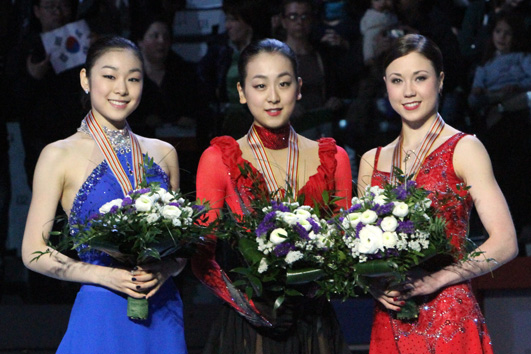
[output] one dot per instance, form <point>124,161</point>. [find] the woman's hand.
<point>38,70</point>
<point>151,277</point>
<point>388,297</point>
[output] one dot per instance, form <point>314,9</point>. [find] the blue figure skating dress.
<point>98,322</point>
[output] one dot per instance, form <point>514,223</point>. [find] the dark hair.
<point>267,45</point>
<point>310,4</point>
<point>519,42</point>
<point>415,43</point>
<point>107,43</point>
<point>141,26</point>
<point>255,13</point>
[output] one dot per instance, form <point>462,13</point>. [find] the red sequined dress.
<point>238,328</point>
<point>450,321</point>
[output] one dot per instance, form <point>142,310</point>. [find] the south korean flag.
<point>67,45</point>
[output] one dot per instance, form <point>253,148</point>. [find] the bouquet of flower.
<point>146,225</point>
<point>283,244</point>
<point>386,233</point>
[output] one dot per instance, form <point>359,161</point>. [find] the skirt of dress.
<point>99,324</point>
<point>314,329</point>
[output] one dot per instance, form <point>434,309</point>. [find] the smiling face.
<point>413,87</point>
<point>115,85</point>
<point>502,37</point>
<point>270,89</point>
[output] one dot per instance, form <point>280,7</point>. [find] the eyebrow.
<point>415,73</point>
<point>115,68</point>
<point>259,76</point>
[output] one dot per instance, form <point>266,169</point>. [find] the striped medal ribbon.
<point>424,147</point>
<point>108,152</point>
<point>292,165</point>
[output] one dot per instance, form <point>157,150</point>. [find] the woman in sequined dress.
<point>270,86</point>
<point>78,173</point>
<point>440,157</point>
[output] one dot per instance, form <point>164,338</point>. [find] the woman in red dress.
<point>269,86</point>
<point>441,158</point>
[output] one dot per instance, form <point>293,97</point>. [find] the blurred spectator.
<point>338,36</point>
<point>170,97</point>
<point>478,22</point>
<point>501,98</point>
<point>378,18</point>
<point>218,69</point>
<point>314,113</point>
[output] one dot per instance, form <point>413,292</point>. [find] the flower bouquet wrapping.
<point>146,225</point>
<point>283,245</point>
<point>386,233</point>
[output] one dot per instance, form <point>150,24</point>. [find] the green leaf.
<point>248,249</point>
<point>278,302</point>
<point>303,276</point>
<point>376,267</point>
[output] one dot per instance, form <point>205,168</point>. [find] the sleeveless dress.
<point>98,321</point>
<point>315,329</point>
<point>449,321</point>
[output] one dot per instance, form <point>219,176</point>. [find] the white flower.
<point>323,241</point>
<point>176,222</point>
<point>293,256</point>
<point>380,199</point>
<point>171,211</point>
<point>389,239</point>
<point>105,208</point>
<point>167,198</point>
<point>414,245</point>
<point>305,224</point>
<point>376,190</point>
<point>143,203</point>
<point>370,239</point>
<point>354,201</point>
<point>427,203</point>
<point>303,214</point>
<point>368,217</point>
<point>278,236</point>
<point>290,218</point>
<point>263,266</point>
<point>389,223</point>
<point>400,210</point>
<point>152,217</point>
<point>352,220</point>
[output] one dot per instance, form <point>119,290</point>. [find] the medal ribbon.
<point>292,164</point>
<point>108,152</point>
<point>425,146</point>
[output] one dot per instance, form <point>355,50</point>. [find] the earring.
<point>86,91</point>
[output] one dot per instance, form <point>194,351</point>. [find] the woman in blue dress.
<point>82,172</point>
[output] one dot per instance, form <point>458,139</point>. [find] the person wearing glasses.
<point>319,104</point>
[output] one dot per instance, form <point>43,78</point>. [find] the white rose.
<point>400,210</point>
<point>152,217</point>
<point>105,208</point>
<point>167,198</point>
<point>176,222</point>
<point>171,212</point>
<point>389,223</point>
<point>290,218</point>
<point>376,190</point>
<point>143,203</point>
<point>323,241</point>
<point>303,214</point>
<point>370,239</point>
<point>278,236</point>
<point>353,219</point>
<point>368,217</point>
<point>389,239</point>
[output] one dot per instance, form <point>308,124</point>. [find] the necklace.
<point>423,148</point>
<point>292,164</point>
<point>91,126</point>
<point>120,139</point>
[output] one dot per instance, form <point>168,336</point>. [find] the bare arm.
<point>365,171</point>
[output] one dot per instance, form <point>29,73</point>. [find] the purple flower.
<point>353,208</point>
<point>175,204</point>
<point>359,226</point>
<point>279,206</point>
<point>383,209</point>
<point>283,249</point>
<point>127,201</point>
<point>93,216</point>
<point>315,226</point>
<point>198,207</point>
<point>301,231</point>
<point>114,209</point>
<point>266,225</point>
<point>406,226</point>
<point>401,192</point>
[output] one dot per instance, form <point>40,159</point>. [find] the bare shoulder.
<point>61,151</point>
<point>157,149</point>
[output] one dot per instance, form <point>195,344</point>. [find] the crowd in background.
<point>340,46</point>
